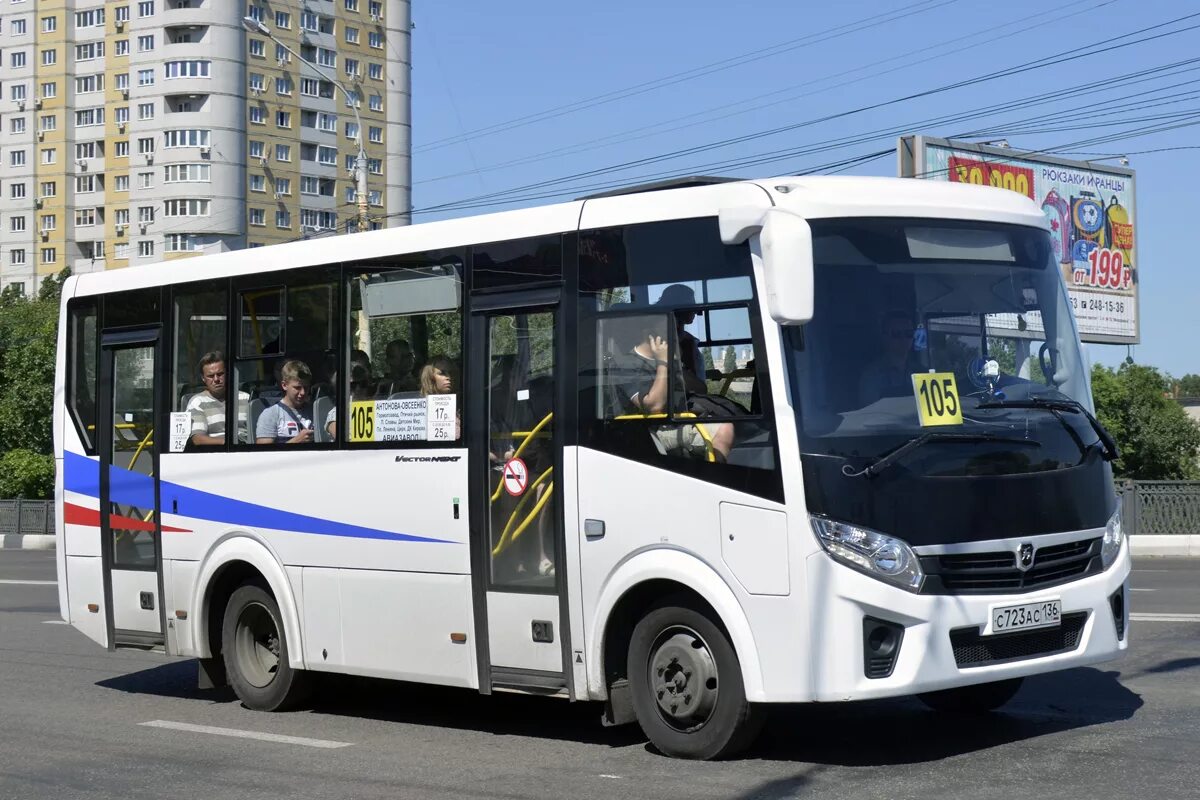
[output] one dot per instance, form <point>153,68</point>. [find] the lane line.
<point>55,622</point>
<point>28,583</point>
<point>240,734</point>
<point>1134,589</point>
<point>1150,617</point>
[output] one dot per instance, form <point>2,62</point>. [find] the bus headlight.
<point>1114,535</point>
<point>884,557</point>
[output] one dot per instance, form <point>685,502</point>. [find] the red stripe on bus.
<point>79,515</point>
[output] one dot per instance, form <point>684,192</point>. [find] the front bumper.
<point>839,599</point>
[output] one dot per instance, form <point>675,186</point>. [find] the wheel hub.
<point>683,676</point>
<point>257,645</point>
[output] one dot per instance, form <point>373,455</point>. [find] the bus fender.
<point>242,546</point>
<point>693,573</point>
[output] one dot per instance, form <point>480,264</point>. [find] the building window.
<point>283,186</point>
<point>121,216</point>
<point>326,58</point>
<point>257,48</point>
<point>145,111</point>
<point>17,60</point>
<point>121,251</point>
<point>49,57</point>
<point>92,18</point>
<point>50,89</point>
<point>48,189</point>
<point>283,152</point>
<point>16,158</point>
<point>18,27</point>
<point>352,5</point>
<point>375,71</point>
<point>351,35</point>
<point>283,85</point>
<point>256,83</point>
<point>146,248</point>
<point>49,255</point>
<point>121,149</point>
<point>16,125</point>
<point>16,191</point>
<point>258,216</point>
<point>85,150</point>
<point>85,216</point>
<point>50,24</point>
<point>16,224</point>
<point>145,180</point>
<point>186,208</point>
<point>187,137</point>
<point>145,8</point>
<point>257,115</point>
<point>121,14</point>
<point>351,66</point>
<point>48,122</point>
<point>258,183</point>
<point>145,214</point>
<point>182,243</point>
<point>375,134</point>
<point>17,256</point>
<point>327,155</point>
<point>90,51</point>
<point>17,92</point>
<point>89,116</point>
<point>145,77</point>
<point>375,197</point>
<point>145,43</point>
<point>121,114</point>
<point>49,155</point>
<point>256,149</point>
<point>122,46</point>
<point>121,183</point>
<point>283,119</point>
<point>88,83</point>
<point>283,219</point>
<point>187,173</point>
<point>375,39</point>
<point>283,20</point>
<point>145,146</point>
<point>351,130</point>
<point>375,166</point>
<point>194,68</point>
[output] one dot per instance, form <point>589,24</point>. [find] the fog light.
<point>881,646</point>
<point>1117,602</point>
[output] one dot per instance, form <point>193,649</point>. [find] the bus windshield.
<point>956,342</point>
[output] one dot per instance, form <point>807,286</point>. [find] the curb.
<point>1173,545</point>
<point>27,541</point>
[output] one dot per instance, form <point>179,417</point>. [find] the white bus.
<point>688,450</point>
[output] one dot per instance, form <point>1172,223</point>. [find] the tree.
<point>1158,440</point>
<point>28,336</point>
<point>1188,385</point>
<point>730,361</point>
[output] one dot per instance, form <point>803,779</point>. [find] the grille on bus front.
<point>996,572</point>
<point>971,649</point>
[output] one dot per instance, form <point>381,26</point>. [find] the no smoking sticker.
<point>516,477</point>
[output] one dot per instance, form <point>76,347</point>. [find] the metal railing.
<point>1160,507</point>
<point>26,517</point>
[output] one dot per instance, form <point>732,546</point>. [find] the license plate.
<point>1042,614</point>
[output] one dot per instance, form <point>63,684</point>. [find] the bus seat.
<point>403,395</point>
<point>257,407</point>
<point>321,408</point>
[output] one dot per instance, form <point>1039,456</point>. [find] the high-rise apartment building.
<point>147,130</point>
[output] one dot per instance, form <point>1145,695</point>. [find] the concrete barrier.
<point>27,541</point>
<point>1165,545</point>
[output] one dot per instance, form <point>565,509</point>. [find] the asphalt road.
<point>73,725</point>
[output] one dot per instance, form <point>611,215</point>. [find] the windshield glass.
<point>936,327</point>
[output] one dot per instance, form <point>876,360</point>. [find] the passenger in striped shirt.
<point>208,407</point>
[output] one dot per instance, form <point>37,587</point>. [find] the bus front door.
<point>131,548</point>
<point>517,519</point>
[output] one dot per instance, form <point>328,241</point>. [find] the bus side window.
<point>203,373</point>
<point>669,332</point>
<point>82,361</point>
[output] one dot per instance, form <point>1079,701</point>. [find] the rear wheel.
<point>255,649</point>
<point>977,699</point>
<point>687,686</point>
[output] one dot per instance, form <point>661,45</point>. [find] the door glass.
<point>523,520</point>
<point>132,515</point>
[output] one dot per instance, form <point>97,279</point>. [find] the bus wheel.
<point>687,686</point>
<point>977,699</point>
<point>256,652</point>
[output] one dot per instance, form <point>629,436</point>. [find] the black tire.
<point>255,649</point>
<point>674,645</point>
<point>978,699</point>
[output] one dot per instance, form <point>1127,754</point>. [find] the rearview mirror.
<point>785,241</point>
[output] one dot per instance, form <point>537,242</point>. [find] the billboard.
<point>1092,218</point>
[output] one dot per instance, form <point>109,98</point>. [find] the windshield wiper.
<point>1056,407</point>
<point>883,462</point>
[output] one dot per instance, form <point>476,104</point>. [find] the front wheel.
<point>977,699</point>
<point>687,686</point>
<point>255,649</point>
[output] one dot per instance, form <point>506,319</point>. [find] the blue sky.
<point>591,87</point>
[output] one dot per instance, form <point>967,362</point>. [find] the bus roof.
<point>810,196</point>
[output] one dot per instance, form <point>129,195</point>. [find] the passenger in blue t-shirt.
<point>290,420</point>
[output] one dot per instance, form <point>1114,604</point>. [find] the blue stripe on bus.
<point>82,475</point>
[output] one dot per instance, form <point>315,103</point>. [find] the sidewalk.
<point>27,541</point>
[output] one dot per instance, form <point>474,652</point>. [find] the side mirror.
<point>786,244</point>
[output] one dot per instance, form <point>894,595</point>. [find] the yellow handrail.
<point>521,448</point>
<point>510,535</point>
<point>709,450</point>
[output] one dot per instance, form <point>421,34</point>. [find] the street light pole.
<point>360,162</point>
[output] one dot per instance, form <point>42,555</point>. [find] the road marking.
<point>240,734</point>
<point>28,583</point>
<point>1141,590</point>
<point>1165,617</point>
<point>55,622</point>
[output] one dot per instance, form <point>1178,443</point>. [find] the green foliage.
<point>24,473</point>
<point>1158,440</point>
<point>1188,386</point>
<point>28,334</point>
<point>730,361</point>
